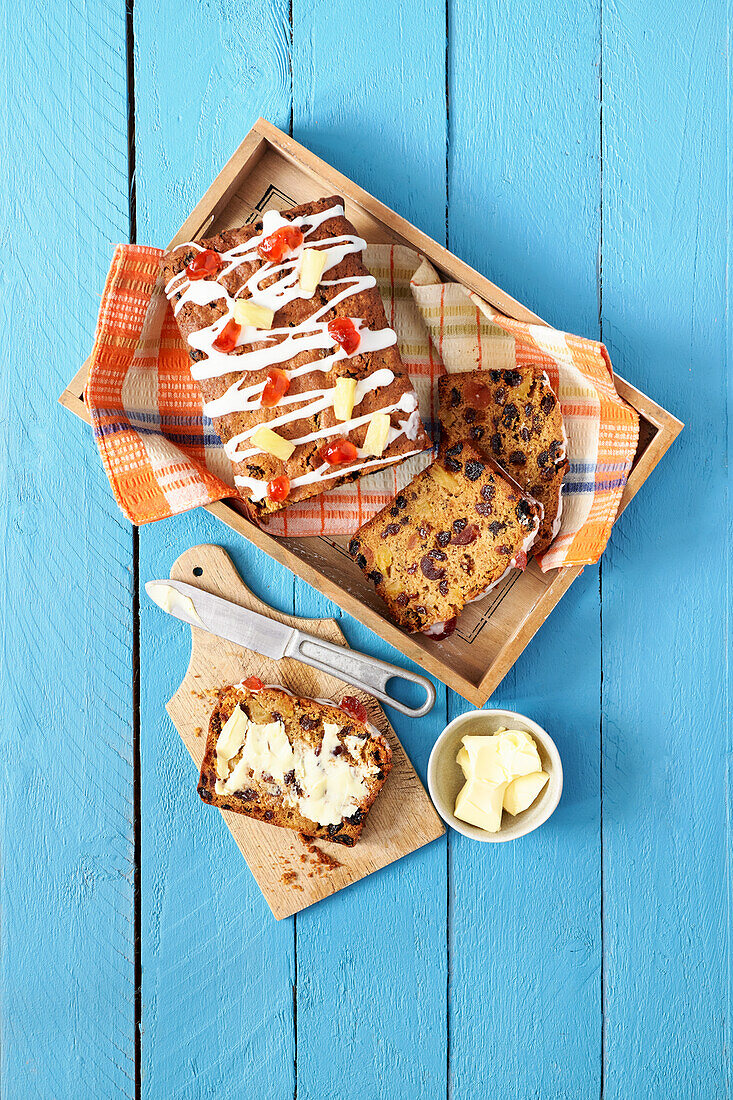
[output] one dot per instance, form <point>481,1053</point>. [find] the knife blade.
<point>276,640</point>
<point>221,617</point>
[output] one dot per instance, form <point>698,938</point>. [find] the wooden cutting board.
<point>291,873</point>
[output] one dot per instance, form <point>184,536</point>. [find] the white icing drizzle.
<point>321,399</point>
<point>323,473</point>
<point>276,347</point>
<point>557,522</point>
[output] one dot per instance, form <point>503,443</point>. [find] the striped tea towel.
<point>163,457</point>
<point>159,455</point>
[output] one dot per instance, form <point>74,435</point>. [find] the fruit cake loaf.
<point>446,539</point>
<point>289,342</point>
<point>514,416</point>
<point>293,762</point>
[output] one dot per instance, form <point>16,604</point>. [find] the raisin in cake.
<point>293,762</point>
<point>514,416</point>
<point>446,539</point>
<point>298,368</point>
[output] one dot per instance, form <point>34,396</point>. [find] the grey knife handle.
<point>363,672</point>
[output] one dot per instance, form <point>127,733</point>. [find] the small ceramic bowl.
<point>445,777</point>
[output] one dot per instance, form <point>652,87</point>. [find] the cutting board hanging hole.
<point>197,571</point>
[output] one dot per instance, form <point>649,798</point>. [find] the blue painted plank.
<point>67,889</point>
<point>665,704</point>
<point>524,186</point>
<point>369,97</point>
<point>217,969</point>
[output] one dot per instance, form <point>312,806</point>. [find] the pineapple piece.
<point>267,440</point>
<point>344,393</point>
<point>444,478</point>
<point>392,588</point>
<point>312,263</point>
<point>377,434</point>
<point>247,312</point>
<point>382,559</point>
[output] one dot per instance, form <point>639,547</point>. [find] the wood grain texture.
<point>665,630</point>
<point>375,955</point>
<point>67,813</point>
<point>217,973</point>
<point>525,927</point>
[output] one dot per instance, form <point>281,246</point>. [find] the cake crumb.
<point>197,731</point>
<point>289,878</point>
<point>321,860</point>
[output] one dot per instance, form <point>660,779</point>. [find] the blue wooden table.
<point>575,153</point>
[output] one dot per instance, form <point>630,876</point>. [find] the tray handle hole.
<point>198,571</point>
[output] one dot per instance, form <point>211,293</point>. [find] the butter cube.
<point>484,758</point>
<point>481,804</point>
<point>377,434</point>
<point>267,440</point>
<point>518,753</point>
<point>463,762</point>
<point>246,312</point>
<point>344,393</point>
<point>502,770</point>
<point>513,750</point>
<point>312,263</point>
<point>522,791</point>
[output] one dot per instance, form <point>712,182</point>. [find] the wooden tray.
<point>271,170</point>
<point>290,874</point>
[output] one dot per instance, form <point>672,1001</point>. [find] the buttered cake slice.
<point>293,762</point>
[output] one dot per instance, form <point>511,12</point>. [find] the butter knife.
<point>276,640</point>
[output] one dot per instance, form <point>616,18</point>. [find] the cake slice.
<point>513,416</point>
<point>446,539</point>
<point>298,368</point>
<point>297,763</point>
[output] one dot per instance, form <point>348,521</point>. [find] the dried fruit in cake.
<point>293,762</point>
<point>286,330</point>
<point>513,416</point>
<point>446,538</point>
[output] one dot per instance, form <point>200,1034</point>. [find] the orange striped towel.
<point>163,457</point>
<point>159,455</point>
